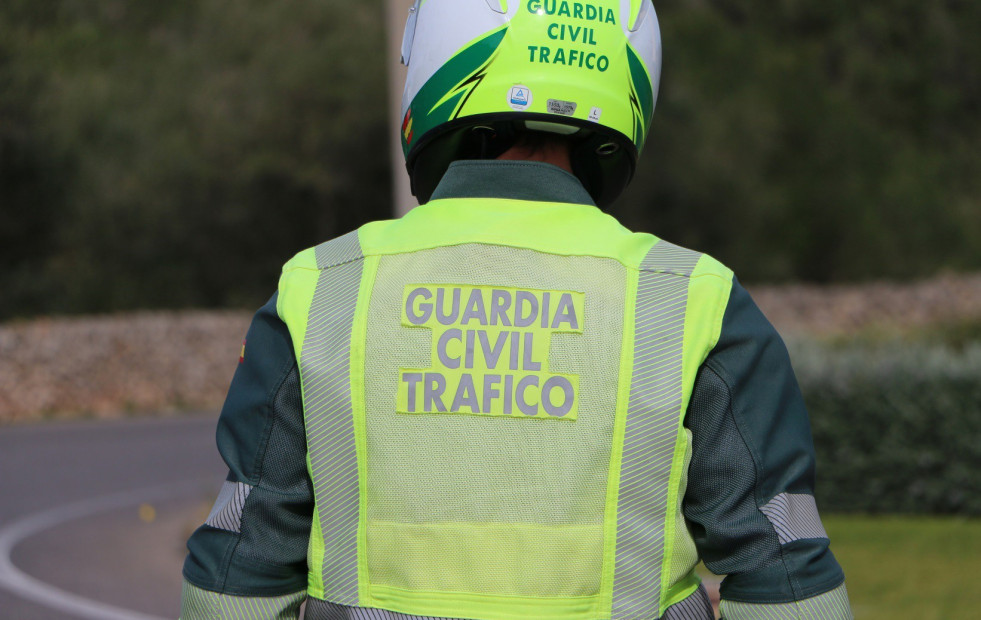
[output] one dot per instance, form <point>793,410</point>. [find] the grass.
<point>908,567</point>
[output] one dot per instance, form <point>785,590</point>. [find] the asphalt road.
<point>93,515</point>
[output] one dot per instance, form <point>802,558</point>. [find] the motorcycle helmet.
<point>480,72</point>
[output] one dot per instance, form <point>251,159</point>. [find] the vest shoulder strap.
<point>340,250</point>
<point>666,257</point>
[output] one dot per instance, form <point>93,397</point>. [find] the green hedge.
<point>897,426</point>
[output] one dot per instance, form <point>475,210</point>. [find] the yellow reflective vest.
<point>493,395</point>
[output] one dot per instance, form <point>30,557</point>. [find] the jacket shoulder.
<point>337,251</point>
<point>666,257</point>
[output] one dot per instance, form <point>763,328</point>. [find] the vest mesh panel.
<point>325,367</point>
<point>491,505</point>
<point>685,554</point>
<point>653,416</point>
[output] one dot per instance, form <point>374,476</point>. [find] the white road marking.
<point>22,584</point>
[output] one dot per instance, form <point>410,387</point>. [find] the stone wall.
<point>168,362</point>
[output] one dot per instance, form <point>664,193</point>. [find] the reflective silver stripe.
<point>831,605</point>
<point>794,517</point>
<point>696,607</point>
<point>198,604</point>
<point>324,610</point>
<point>653,416</point>
<point>227,511</point>
<point>326,378</point>
<point>343,249</point>
<point>667,257</point>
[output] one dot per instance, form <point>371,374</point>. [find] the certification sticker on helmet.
<point>557,106</point>
<point>519,97</point>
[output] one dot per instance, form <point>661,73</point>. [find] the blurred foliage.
<point>823,141</point>
<point>895,424</point>
<point>176,154</point>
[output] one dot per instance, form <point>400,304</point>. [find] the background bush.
<point>175,154</point>
<point>897,425</point>
<point>820,141</point>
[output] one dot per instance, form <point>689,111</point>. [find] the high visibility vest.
<point>493,393</point>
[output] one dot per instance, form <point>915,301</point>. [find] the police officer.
<point>506,405</point>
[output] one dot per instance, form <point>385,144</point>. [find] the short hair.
<point>537,142</point>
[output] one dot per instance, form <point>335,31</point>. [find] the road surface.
<point>93,515</point>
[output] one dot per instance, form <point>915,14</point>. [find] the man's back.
<point>506,405</point>
<point>515,444</point>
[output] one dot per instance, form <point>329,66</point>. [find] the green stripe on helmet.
<point>642,97</point>
<point>443,95</point>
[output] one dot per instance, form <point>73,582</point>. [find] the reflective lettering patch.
<point>490,350</point>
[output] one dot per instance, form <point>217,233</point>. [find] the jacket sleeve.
<point>750,497</point>
<point>249,557</point>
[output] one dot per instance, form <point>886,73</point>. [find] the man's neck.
<point>553,153</point>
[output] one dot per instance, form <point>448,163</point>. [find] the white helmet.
<point>480,71</point>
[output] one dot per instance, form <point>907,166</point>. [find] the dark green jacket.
<point>749,502</point>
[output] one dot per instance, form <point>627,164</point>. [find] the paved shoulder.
<point>96,512</point>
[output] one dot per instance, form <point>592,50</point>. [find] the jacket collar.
<point>514,180</point>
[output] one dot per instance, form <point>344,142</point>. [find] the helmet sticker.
<point>519,97</point>
<point>595,113</point>
<point>407,132</point>
<point>565,108</point>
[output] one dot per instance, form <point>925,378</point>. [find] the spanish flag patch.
<point>407,127</point>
